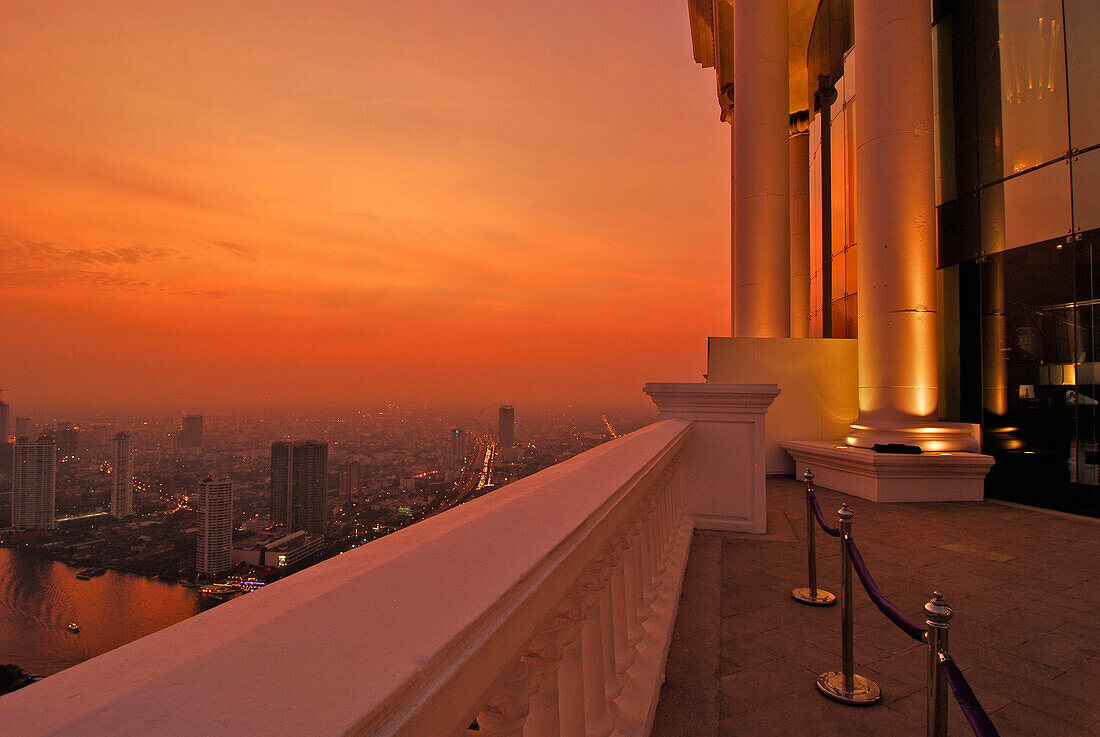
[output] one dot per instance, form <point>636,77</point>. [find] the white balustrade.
<point>543,609</point>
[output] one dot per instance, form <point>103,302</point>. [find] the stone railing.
<point>544,608</point>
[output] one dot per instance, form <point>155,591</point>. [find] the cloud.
<point>30,251</point>
<point>46,264</point>
<point>241,251</point>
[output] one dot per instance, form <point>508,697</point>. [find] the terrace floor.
<point>1024,585</point>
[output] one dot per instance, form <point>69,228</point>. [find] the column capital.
<point>799,123</point>
<point>725,99</point>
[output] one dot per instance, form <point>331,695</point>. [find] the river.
<point>40,597</point>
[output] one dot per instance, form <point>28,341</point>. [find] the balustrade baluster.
<point>625,655</point>
<point>507,709</point>
<point>612,685</point>
<point>571,673</point>
<point>598,722</point>
<point>632,578</point>
<point>544,654</point>
<point>645,561</point>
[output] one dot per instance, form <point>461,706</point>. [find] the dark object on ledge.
<point>896,448</point>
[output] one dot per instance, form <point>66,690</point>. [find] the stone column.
<point>800,223</point>
<point>725,99</point>
<point>896,230</point>
<point>761,188</point>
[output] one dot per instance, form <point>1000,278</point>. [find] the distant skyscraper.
<point>458,445</point>
<point>349,481</point>
<point>34,483</point>
<point>506,426</point>
<point>100,434</point>
<point>214,517</point>
<point>68,438</point>
<point>299,473</point>
<point>191,433</point>
<point>5,410</point>
<point>122,476</point>
<point>22,427</point>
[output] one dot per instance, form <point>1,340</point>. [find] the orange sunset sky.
<point>298,203</point>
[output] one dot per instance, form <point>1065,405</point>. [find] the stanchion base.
<point>864,691</point>
<point>823,598</point>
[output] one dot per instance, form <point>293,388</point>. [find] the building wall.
<point>1018,154</point>
<point>299,474</point>
<point>122,476</point>
<point>34,483</point>
<point>841,288</point>
<point>214,518</point>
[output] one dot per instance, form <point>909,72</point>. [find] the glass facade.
<point>1018,184</point>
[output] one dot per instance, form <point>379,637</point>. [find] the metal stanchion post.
<point>846,686</point>
<point>937,616</point>
<point>811,595</point>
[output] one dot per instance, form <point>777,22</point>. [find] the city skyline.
<point>418,221</point>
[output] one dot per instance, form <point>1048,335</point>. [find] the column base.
<point>949,437</point>
<point>888,477</point>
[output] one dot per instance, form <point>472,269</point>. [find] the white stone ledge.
<point>891,477</point>
<point>404,636</point>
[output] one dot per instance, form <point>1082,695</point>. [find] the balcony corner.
<point>724,460</point>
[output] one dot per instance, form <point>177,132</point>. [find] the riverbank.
<point>40,597</point>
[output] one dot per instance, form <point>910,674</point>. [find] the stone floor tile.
<point>1056,650</point>
<point>1024,585</point>
<point>1017,720</point>
<point>761,684</point>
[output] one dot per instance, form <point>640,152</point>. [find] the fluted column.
<point>761,189</point>
<point>896,230</point>
<point>799,144</point>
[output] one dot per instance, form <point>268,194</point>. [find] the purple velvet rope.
<point>968,702</point>
<point>892,613</point>
<point>825,526</point>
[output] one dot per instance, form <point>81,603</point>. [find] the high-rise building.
<point>34,483</point>
<point>459,439</point>
<point>191,432</point>
<point>22,427</point>
<point>506,426</point>
<point>100,435</point>
<point>349,481</point>
<point>122,476</point>
<point>214,518</point>
<point>5,411</point>
<point>299,472</point>
<point>68,439</point>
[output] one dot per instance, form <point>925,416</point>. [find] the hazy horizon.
<point>216,204</point>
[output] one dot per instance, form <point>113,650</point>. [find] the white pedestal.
<point>888,477</point>
<point>723,467</point>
